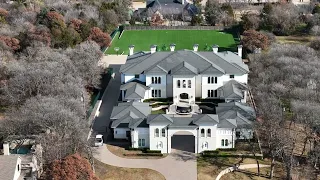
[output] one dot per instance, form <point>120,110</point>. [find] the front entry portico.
<point>182,139</point>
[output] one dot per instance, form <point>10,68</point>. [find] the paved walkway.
<point>242,166</point>
<point>177,165</point>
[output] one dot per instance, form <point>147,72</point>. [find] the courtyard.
<point>184,39</point>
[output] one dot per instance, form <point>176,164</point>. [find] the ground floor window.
<point>142,142</point>
<point>224,142</point>
<point>156,93</point>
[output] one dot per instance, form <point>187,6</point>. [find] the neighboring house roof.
<point>190,61</point>
<point>245,110</point>
<point>132,109</point>
<point>232,90</point>
<point>134,90</point>
<point>8,165</point>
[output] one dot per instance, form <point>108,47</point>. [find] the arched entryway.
<point>184,96</point>
<point>183,141</point>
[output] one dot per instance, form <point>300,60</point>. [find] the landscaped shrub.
<point>230,155</point>
<point>158,100</point>
<point>135,149</point>
<point>227,149</point>
<point>211,152</point>
<point>159,104</point>
<point>152,151</point>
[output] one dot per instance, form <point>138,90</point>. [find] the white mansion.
<point>187,77</point>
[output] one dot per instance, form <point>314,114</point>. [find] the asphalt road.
<point>109,99</point>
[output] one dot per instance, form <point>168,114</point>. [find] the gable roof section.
<point>186,60</point>
<point>8,166</point>
<point>241,121</point>
<point>134,90</point>
<point>207,119</point>
<point>245,110</point>
<point>159,119</point>
<point>184,68</point>
<point>232,90</point>
<point>135,110</point>
<point>228,123</point>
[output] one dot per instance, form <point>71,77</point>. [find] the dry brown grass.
<point>107,172</point>
<point>121,151</point>
<point>209,168</point>
<point>294,39</point>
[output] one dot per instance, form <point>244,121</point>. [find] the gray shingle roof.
<point>197,62</point>
<point>245,110</point>
<point>159,119</point>
<point>184,68</point>
<point>133,109</point>
<point>232,90</point>
<point>240,121</point>
<point>8,166</point>
<point>207,119</point>
<point>134,90</point>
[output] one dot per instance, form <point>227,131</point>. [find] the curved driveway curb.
<point>177,165</point>
<point>242,166</point>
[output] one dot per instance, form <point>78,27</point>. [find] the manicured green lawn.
<point>184,39</point>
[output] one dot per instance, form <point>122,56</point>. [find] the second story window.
<point>231,76</point>
<point>137,76</point>
<point>178,84</point>
<point>212,80</point>
<point>155,80</point>
<point>156,93</point>
<point>184,85</point>
<point>212,93</point>
<point>189,83</point>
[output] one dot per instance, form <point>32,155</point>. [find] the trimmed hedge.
<point>135,149</point>
<point>144,154</point>
<point>158,100</point>
<point>160,104</point>
<point>152,151</point>
<point>227,149</point>
<point>211,152</point>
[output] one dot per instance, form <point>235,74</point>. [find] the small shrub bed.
<point>152,151</point>
<point>144,154</point>
<point>227,149</point>
<point>211,152</point>
<point>135,149</point>
<point>158,100</point>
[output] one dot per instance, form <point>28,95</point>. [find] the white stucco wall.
<point>162,86</point>
<point>120,133</point>
<point>211,141</point>
<point>225,133</point>
<point>220,82</point>
<point>198,85</point>
<point>177,91</point>
<point>130,77</point>
<point>169,86</point>
<point>17,171</point>
<point>155,141</point>
<point>140,133</point>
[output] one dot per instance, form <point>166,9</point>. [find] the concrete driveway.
<point>179,165</point>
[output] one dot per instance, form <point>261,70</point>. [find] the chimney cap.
<point>239,46</point>
<point>131,46</point>
<point>173,44</point>
<point>153,46</point>
<point>215,46</point>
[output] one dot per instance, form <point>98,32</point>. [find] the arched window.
<point>202,132</point>
<point>178,83</point>
<point>163,132</point>
<point>184,83</point>
<point>156,80</point>
<point>159,80</point>
<point>226,142</point>
<point>156,132</point>
<point>189,83</point>
<point>209,133</point>
<point>152,80</point>
<point>216,80</point>
<point>212,80</point>
<point>222,142</point>
<point>209,80</point>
